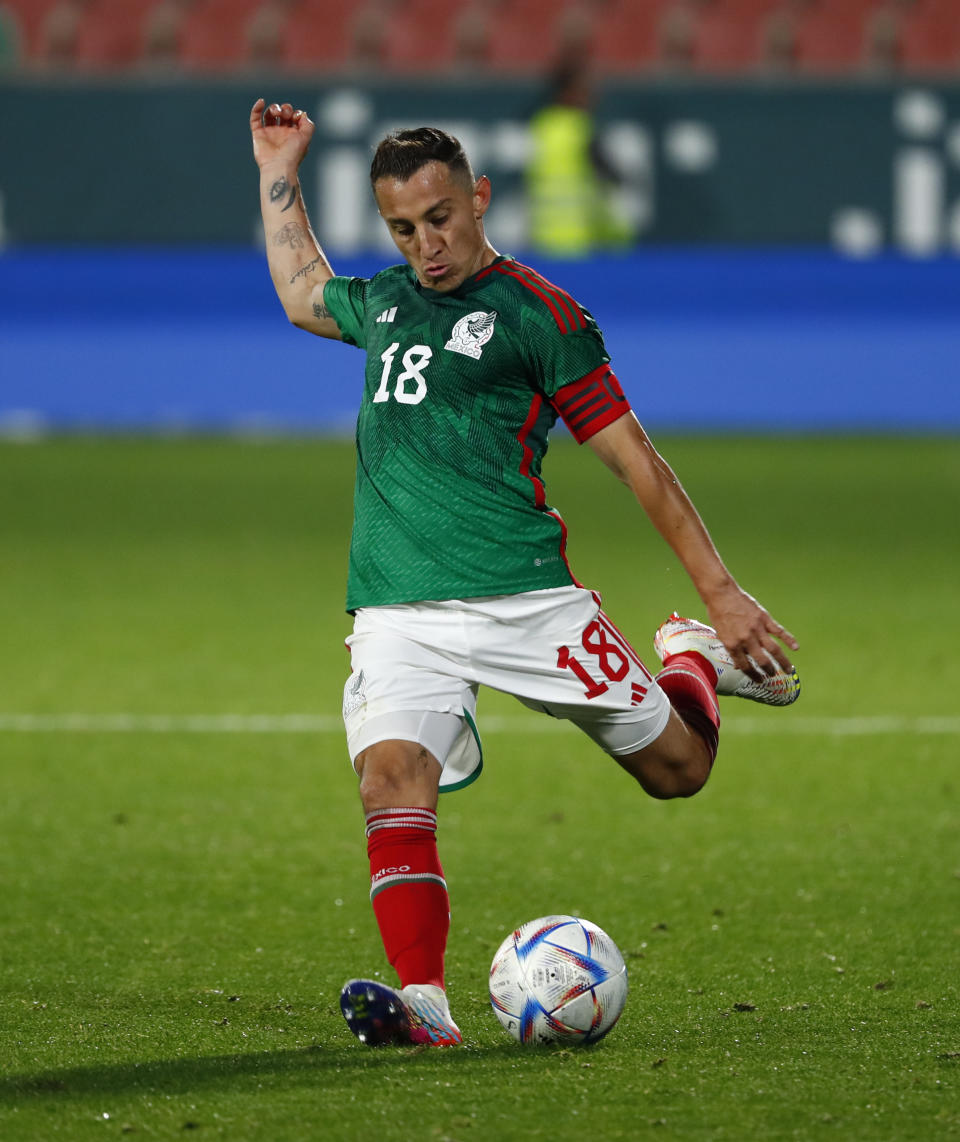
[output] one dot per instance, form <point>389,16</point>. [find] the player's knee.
<point>391,777</point>
<point>666,777</point>
<point>383,786</point>
<point>681,781</point>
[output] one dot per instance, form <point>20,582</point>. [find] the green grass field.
<point>184,894</point>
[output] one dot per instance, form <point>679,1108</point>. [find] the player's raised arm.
<point>298,266</point>
<point>745,628</point>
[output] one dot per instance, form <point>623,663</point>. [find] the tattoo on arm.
<point>292,235</point>
<point>320,311</point>
<point>282,187</point>
<point>304,270</point>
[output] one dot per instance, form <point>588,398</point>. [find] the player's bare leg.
<point>677,764</point>
<point>399,786</point>
<point>397,773</point>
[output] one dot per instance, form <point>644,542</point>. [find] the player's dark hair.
<point>402,153</point>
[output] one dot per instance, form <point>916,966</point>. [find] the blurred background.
<point>758,199</point>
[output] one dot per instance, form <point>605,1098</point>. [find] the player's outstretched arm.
<point>298,266</point>
<point>743,625</point>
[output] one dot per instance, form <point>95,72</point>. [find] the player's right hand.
<point>280,134</point>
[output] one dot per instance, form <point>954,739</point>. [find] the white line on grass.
<point>785,723</point>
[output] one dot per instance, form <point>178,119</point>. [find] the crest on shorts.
<point>471,333</point>
<point>354,694</point>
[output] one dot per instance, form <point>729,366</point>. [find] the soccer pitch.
<point>183,870</point>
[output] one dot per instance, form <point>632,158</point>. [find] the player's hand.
<point>280,134</point>
<point>750,633</point>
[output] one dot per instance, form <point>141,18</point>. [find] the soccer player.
<point>457,574</point>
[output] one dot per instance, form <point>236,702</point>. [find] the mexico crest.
<point>471,333</point>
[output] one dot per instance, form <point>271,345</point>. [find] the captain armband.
<point>591,403</point>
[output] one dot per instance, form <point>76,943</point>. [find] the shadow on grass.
<point>282,1068</point>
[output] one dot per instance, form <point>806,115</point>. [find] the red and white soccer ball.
<point>558,980</point>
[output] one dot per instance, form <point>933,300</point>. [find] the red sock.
<point>408,892</point>
<point>689,681</point>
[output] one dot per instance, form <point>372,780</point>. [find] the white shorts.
<point>416,669</point>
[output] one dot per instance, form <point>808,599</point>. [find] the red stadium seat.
<point>30,16</point>
<point>728,35</point>
<point>265,33</point>
<point>525,34</point>
<point>628,35</point>
<point>13,48</point>
<point>318,35</point>
<point>214,34</point>
<point>831,37</point>
<point>930,36</point>
<point>56,45</point>
<point>422,36</point>
<point>111,33</point>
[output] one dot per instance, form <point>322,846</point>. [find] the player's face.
<point>436,220</point>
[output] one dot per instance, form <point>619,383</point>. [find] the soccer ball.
<point>558,980</point>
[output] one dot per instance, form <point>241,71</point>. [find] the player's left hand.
<point>750,633</point>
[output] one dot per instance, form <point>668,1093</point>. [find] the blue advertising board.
<point>195,340</point>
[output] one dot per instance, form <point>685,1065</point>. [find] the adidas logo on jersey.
<point>387,315</point>
<point>471,333</point>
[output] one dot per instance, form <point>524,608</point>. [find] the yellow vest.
<point>563,193</point>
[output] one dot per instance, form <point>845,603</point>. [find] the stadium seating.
<point>214,34</point>
<point>728,35</point>
<point>830,37</point>
<point>161,32</point>
<point>930,36</point>
<point>110,34</point>
<point>318,36</point>
<point>29,15</point>
<point>11,40</point>
<point>58,33</point>
<point>422,37</point>
<point>523,35</point>
<point>627,37</point>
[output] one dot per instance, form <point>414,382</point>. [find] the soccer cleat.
<point>375,1013</point>
<point>430,1015</point>
<point>418,1015</point>
<point>678,636</point>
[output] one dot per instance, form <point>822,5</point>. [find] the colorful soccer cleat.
<point>679,635</point>
<point>419,1014</point>
<point>430,1014</point>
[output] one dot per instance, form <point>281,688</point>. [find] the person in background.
<point>571,183</point>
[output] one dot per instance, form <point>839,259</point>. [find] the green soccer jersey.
<point>461,389</point>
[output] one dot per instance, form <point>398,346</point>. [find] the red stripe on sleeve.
<point>591,403</point>
<point>571,310</point>
<point>557,316</point>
